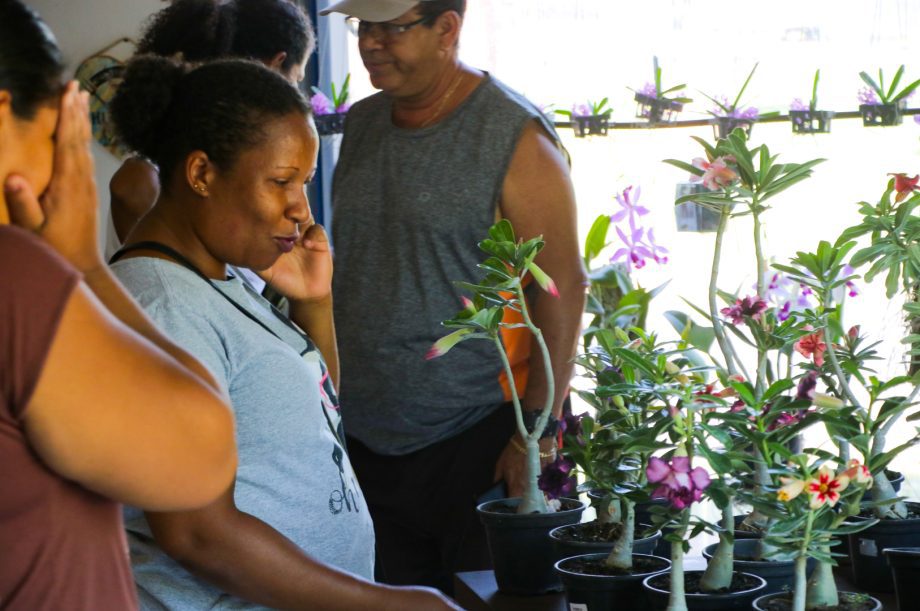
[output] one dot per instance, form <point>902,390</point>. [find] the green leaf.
<point>872,85</point>
<point>743,87</point>
<point>502,231</point>
<point>683,165</point>
<point>894,82</point>
<point>597,237</point>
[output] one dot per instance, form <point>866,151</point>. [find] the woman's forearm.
<point>315,318</point>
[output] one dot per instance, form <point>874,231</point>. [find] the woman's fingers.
<point>24,207</point>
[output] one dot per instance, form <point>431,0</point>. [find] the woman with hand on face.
<point>275,33</point>
<point>235,145</point>
<point>96,406</point>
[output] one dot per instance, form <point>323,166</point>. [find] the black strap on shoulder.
<point>184,262</point>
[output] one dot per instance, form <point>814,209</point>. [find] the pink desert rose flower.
<point>904,185</point>
<point>677,482</point>
<point>859,473</point>
<point>716,173</point>
<point>752,306</point>
<point>812,346</point>
<point>825,488</point>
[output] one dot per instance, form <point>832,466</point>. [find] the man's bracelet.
<point>517,446</point>
<point>530,423</point>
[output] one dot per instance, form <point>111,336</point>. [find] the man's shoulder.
<point>370,105</point>
<point>500,93</point>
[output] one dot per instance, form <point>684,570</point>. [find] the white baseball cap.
<point>372,10</point>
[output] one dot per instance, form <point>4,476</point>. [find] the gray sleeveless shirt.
<point>409,207</point>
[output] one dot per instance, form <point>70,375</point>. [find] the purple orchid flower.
<point>581,110</point>
<point>785,295</point>
<point>798,104</point>
<point>649,90</point>
<point>629,200</point>
<point>750,112</point>
<point>659,253</point>
<point>751,306</point>
<point>343,107</point>
<point>867,97</point>
<point>556,480</point>
<point>321,104</point>
<point>634,252</point>
<point>680,485</point>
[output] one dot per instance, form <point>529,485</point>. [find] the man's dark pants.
<point>424,503</point>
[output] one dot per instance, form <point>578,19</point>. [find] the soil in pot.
<point>849,601</point>
<point>739,595</point>
<point>597,587</point>
<point>594,536</point>
<point>870,568</point>
<point>521,551</point>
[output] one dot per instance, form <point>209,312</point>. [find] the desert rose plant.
<point>509,262</point>
<point>741,181</point>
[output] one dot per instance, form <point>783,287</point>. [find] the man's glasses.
<point>386,30</point>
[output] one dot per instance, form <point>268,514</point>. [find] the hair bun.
<point>143,101</point>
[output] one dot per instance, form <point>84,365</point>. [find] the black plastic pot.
<point>605,592</point>
<point>808,122</point>
<point>522,553</point>
<point>759,604</point>
<point>656,110</point>
<point>733,601</point>
<point>905,570</point>
<point>326,125</point>
<point>590,125</point>
<point>881,115</point>
<point>565,548</point>
<point>870,570</point>
<point>778,574</point>
<point>723,126</point>
<point>843,562</point>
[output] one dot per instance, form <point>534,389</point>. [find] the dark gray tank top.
<point>409,207</point>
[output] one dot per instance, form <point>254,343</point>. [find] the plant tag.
<point>867,547</point>
<point>577,607</point>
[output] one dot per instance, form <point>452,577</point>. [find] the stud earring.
<point>200,188</point>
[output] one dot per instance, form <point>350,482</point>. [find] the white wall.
<point>82,28</point>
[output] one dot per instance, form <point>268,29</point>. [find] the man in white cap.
<point>426,166</point>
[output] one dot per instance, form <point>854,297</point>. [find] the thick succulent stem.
<point>718,574</point>
<point>621,555</point>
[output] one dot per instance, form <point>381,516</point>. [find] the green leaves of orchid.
<point>890,94</point>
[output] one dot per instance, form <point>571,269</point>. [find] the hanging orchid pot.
<point>590,125</point>
<point>882,106</point>
<point>723,126</point>
<point>811,121</point>
<point>657,110</point>
<point>329,113</point>
<point>806,119</point>
<point>691,216</point>
<point>881,115</point>
<point>590,119</point>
